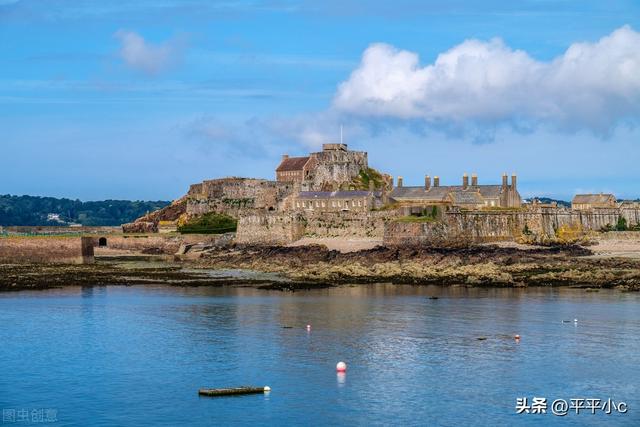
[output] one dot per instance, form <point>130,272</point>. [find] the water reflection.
<point>341,378</point>
<point>147,349</point>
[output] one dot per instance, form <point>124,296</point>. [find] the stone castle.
<point>327,170</point>
<point>332,193</point>
<point>324,182</point>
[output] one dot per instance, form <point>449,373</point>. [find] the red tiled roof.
<point>292,164</point>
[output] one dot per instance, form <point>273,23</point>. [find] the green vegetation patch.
<point>211,223</point>
<point>361,182</point>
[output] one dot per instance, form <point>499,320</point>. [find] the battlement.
<point>334,147</point>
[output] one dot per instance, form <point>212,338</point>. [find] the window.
<point>323,204</point>
<point>317,204</point>
<point>333,203</point>
<point>359,203</point>
<point>297,204</point>
<point>493,203</point>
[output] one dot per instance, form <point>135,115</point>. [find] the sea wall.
<point>56,230</point>
<point>621,236</point>
<point>160,244</point>
<point>46,250</point>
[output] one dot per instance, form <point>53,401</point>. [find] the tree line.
<point>34,210</point>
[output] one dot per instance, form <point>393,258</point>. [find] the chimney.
<point>514,180</point>
<point>436,181</point>
<point>465,181</point>
<point>474,180</point>
<point>427,182</point>
<point>504,180</point>
<point>285,156</point>
<point>399,182</point>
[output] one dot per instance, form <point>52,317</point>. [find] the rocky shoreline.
<point>478,265</point>
<point>306,267</point>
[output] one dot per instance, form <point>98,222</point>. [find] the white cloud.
<point>591,86</point>
<point>148,58</point>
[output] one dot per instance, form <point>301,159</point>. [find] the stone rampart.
<point>270,228</point>
<point>347,224</point>
<point>483,226</point>
<point>234,196</point>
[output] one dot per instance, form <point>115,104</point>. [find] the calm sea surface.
<point>137,355</point>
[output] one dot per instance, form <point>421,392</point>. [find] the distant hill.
<point>32,210</point>
<point>549,200</point>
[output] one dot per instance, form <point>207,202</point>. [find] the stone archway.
<point>102,242</point>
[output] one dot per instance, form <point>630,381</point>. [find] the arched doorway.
<point>102,242</point>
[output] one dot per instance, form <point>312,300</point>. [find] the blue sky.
<point>139,99</point>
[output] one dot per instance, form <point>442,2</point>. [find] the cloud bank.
<point>591,86</point>
<point>148,58</point>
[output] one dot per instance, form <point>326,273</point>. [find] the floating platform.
<point>213,392</point>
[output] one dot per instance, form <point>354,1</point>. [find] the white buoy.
<point>341,367</point>
<point>308,327</point>
<point>267,388</point>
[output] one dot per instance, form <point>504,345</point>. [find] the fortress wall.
<point>46,250</point>
<point>270,228</point>
<point>484,226</point>
<point>347,224</point>
<point>285,228</point>
<point>235,196</point>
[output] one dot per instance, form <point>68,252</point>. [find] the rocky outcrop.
<point>469,266</point>
<point>149,222</point>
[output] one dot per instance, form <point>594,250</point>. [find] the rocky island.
<point>329,218</point>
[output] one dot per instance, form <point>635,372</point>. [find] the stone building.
<point>470,195</point>
<point>337,201</point>
<point>327,170</point>
<point>294,169</point>
<point>590,201</point>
